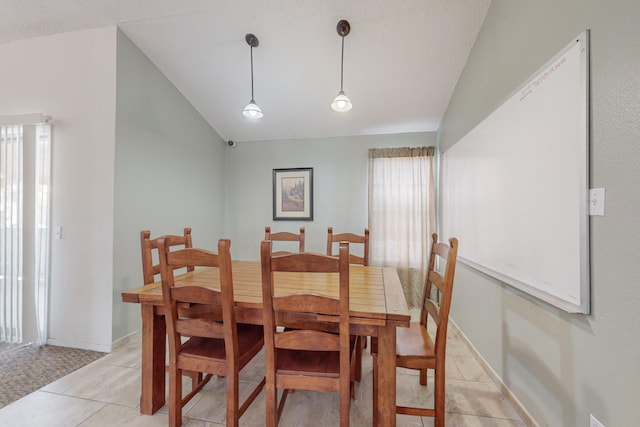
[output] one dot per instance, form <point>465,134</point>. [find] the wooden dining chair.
<point>334,239</point>
<point>196,341</point>
<point>415,348</point>
<point>151,270</point>
<point>353,239</point>
<point>306,359</point>
<point>285,236</point>
<point>148,246</point>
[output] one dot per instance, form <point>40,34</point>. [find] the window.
<point>402,213</point>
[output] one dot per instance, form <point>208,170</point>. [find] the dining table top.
<point>374,292</point>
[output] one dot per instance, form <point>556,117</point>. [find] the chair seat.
<point>411,343</point>
<point>414,341</point>
<point>249,336</point>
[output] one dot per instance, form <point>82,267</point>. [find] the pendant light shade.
<point>341,103</point>
<point>252,110</point>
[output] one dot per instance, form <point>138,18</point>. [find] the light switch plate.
<point>596,201</point>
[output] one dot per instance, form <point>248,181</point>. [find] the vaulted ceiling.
<point>402,58</point>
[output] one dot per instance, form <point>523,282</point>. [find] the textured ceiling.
<point>402,58</point>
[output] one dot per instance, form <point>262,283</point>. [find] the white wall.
<point>169,173</point>
<point>159,166</point>
<point>72,78</point>
<point>340,173</point>
<point>563,367</point>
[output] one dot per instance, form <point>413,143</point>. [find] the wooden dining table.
<point>377,306</point>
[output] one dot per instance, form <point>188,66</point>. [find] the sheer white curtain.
<point>42,227</point>
<point>13,229</point>
<point>402,213</point>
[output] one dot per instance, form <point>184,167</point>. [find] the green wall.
<point>340,173</point>
<point>169,173</point>
<point>561,366</point>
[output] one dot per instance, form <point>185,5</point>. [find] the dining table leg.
<point>385,410</point>
<point>152,396</point>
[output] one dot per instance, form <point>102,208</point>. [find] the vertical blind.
<point>12,230</point>
<point>11,204</point>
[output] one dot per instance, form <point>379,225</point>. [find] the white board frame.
<point>478,161</point>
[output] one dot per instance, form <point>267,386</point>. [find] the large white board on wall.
<point>515,188</point>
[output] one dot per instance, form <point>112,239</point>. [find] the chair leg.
<point>232,401</point>
<point>271,398</point>
<point>195,389</point>
<point>355,366</point>
<point>345,406</point>
<point>358,362</point>
<point>175,397</point>
<point>283,399</point>
<point>375,387</point>
<point>196,377</point>
<point>439,396</point>
<point>345,397</point>
<point>423,377</point>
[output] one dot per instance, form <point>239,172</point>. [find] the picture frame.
<point>293,194</point>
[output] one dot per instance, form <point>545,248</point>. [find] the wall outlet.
<point>596,201</point>
<point>593,421</point>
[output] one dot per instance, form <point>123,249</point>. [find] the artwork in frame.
<point>293,194</point>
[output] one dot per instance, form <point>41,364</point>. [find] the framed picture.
<point>293,194</point>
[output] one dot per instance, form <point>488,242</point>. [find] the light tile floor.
<point>106,393</point>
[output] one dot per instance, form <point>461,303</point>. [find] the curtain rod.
<point>25,119</point>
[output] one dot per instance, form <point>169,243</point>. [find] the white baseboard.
<point>81,345</point>
<point>124,340</point>
<point>525,416</point>
<point>96,347</point>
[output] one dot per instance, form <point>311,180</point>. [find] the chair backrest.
<point>443,280</point>
<point>148,245</point>
<point>332,306</point>
<point>351,238</point>
<point>194,322</point>
<point>285,236</point>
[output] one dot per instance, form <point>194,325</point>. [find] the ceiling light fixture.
<point>252,110</point>
<point>341,103</point>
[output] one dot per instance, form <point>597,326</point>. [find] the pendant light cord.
<point>252,74</point>
<point>342,65</point>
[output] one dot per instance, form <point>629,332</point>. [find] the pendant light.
<point>252,110</point>
<point>341,103</point>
